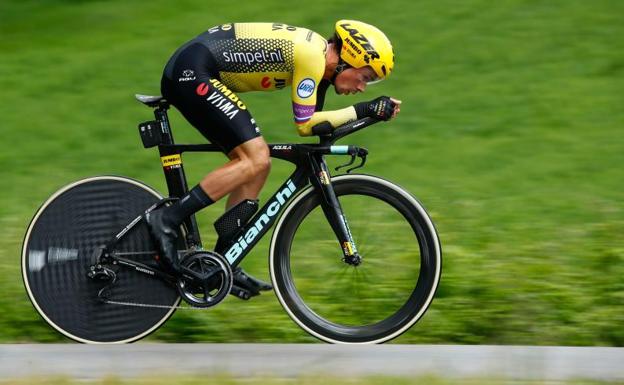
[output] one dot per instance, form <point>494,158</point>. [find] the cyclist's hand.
<point>397,107</point>
<point>382,108</point>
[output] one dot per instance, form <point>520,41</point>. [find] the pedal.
<point>252,284</point>
<point>245,286</point>
<point>241,293</point>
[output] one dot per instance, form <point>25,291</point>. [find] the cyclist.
<point>202,80</point>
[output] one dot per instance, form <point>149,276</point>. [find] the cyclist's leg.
<point>251,189</point>
<point>206,107</point>
<point>246,171</point>
<point>218,114</point>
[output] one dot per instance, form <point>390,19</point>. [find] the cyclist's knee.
<point>257,164</point>
<point>255,158</point>
<point>262,161</point>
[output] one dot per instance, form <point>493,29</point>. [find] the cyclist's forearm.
<point>335,118</point>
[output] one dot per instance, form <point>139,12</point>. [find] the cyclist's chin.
<point>342,91</point>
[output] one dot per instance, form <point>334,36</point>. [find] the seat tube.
<point>331,206</point>
<point>170,158</point>
<point>173,169</point>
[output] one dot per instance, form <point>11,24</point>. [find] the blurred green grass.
<point>511,134</point>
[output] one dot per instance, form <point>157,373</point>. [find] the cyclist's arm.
<point>307,75</point>
<point>304,94</point>
<point>335,118</point>
<point>308,91</point>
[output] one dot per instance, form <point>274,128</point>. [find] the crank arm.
<point>192,275</point>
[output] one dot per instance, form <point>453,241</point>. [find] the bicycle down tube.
<point>311,167</point>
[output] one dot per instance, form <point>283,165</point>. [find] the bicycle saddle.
<point>151,101</point>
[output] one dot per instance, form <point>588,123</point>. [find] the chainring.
<point>206,280</point>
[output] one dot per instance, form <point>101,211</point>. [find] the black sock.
<point>195,200</point>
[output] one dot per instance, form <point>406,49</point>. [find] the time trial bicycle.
<point>353,258</point>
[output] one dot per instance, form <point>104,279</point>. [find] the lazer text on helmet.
<point>361,39</point>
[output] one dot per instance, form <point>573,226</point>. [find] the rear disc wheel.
<point>62,242</point>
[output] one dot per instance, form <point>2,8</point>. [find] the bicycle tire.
<point>60,245</point>
<point>303,275</point>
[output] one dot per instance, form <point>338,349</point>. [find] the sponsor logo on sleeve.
<point>305,88</point>
<point>279,83</point>
<point>266,82</point>
<point>302,113</point>
<point>187,76</point>
<point>202,89</point>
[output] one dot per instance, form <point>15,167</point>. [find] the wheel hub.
<point>353,260</point>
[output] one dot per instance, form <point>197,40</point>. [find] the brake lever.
<point>362,153</point>
<point>358,166</point>
<point>347,164</point>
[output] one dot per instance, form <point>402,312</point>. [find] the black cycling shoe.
<point>245,286</point>
<point>165,236</point>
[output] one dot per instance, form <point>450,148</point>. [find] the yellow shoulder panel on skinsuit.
<point>309,70</point>
<point>262,56</point>
<point>270,56</point>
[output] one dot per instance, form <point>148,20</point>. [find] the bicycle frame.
<point>310,168</point>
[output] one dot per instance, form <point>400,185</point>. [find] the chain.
<point>105,292</point>
<point>103,272</point>
<point>137,304</point>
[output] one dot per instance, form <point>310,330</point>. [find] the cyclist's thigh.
<point>215,110</point>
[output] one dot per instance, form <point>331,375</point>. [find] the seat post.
<point>160,113</point>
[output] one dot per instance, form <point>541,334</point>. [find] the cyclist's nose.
<point>361,86</point>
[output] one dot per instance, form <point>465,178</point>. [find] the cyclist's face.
<point>354,80</point>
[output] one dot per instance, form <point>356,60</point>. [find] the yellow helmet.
<point>365,45</point>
